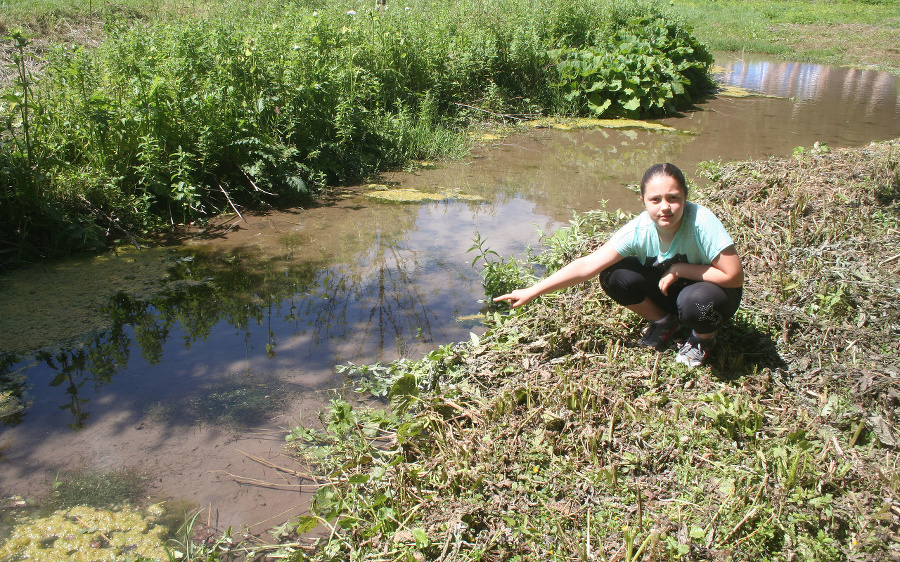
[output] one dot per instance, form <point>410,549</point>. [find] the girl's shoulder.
<point>700,214</point>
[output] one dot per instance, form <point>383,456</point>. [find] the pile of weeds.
<point>555,437</point>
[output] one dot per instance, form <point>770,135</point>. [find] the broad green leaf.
<point>305,524</point>
<point>422,540</point>
<point>633,104</point>
<point>403,392</point>
<point>598,105</point>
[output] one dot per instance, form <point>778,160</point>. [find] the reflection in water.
<point>299,292</point>
<point>373,305</point>
<point>853,96</point>
<point>191,301</point>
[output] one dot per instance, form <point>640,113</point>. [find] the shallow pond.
<point>189,363</point>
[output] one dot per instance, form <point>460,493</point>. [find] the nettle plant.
<point>650,68</point>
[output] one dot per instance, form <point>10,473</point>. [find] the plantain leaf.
<point>404,391</point>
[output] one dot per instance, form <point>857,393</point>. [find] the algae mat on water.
<point>738,92</point>
<point>566,124</point>
<point>46,304</point>
<point>385,193</point>
<point>89,534</point>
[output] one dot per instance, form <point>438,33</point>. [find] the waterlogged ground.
<point>190,362</point>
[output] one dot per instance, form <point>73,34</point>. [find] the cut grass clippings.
<point>555,437</point>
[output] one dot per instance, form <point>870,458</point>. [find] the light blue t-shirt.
<point>700,238</point>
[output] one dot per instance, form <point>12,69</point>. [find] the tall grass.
<point>178,118</point>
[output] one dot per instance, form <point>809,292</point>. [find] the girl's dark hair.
<point>665,170</point>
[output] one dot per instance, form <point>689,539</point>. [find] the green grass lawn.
<point>843,32</point>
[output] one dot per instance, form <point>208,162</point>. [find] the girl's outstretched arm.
<point>575,272</point>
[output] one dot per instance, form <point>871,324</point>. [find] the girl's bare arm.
<point>575,272</point>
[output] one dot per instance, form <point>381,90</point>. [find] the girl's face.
<point>664,201</point>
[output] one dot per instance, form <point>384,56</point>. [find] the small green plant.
<point>499,275</point>
<point>185,547</point>
<point>733,416</point>
<point>22,100</point>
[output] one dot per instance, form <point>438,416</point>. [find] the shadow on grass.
<point>744,348</point>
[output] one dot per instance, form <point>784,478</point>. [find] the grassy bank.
<point>174,118</point>
<point>555,437</point>
<point>859,33</point>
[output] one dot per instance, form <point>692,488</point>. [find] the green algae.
<point>98,489</point>
<point>486,136</point>
<point>89,534</point>
<point>567,124</point>
<point>384,193</point>
<point>470,317</point>
<point>50,303</point>
<point>237,401</point>
<point>13,398</point>
<point>738,92</point>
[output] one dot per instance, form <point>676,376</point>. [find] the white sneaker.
<point>694,351</point>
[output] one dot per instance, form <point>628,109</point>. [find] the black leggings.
<point>699,305</point>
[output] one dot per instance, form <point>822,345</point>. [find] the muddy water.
<point>189,363</point>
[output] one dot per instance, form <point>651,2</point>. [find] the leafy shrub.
<point>499,275</point>
<point>651,68</point>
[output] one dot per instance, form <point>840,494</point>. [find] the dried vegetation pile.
<point>554,437</point>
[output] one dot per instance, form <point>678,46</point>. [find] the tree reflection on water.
<point>375,303</point>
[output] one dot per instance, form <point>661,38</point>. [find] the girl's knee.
<point>704,307</point>
<point>624,286</point>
